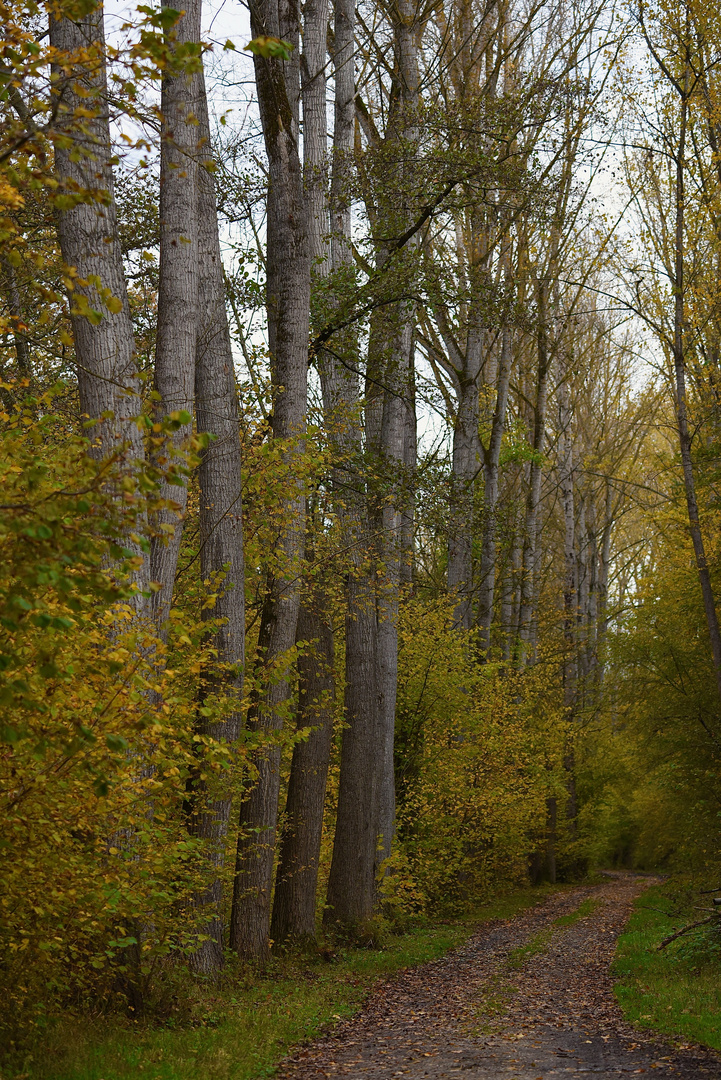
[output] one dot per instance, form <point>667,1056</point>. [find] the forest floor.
<point>525,999</point>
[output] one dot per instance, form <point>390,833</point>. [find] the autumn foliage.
<point>353,568</point>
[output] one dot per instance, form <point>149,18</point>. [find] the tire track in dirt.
<point>488,1011</point>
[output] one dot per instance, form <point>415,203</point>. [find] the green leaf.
<point>116,743</point>
<point>123,943</point>
<point>270,48</point>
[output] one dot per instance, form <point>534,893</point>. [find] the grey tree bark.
<point>410,462</point>
<point>294,904</point>
<point>15,310</point>
<point>464,470</point>
<point>464,363</point>
<point>105,349</point>
<point>491,462</point>
<point>390,448</point>
<point>509,591</point>
<point>351,885</point>
<point>567,493</point>
<point>177,296</point>
<point>566,479</point>
<point>582,572</point>
<point>315,140</point>
<point>529,574</point>
<point>221,524</point>
<point>604,564</point>
<point>351,891</point>
<point>288,304</point>
<point>392,340</point>
<point>592,561</point>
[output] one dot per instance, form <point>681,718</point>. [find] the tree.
<point>676,43</point>
<point>288,304</point>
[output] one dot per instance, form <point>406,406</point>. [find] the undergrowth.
<point>675,991</point>
<point>243,1029</point>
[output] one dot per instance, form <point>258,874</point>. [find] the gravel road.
<point>522,1000</point>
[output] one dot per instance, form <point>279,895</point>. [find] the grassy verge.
<point>246,1029</point>
<point>677,991</point>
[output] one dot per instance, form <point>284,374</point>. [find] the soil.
<point>488,1011</point>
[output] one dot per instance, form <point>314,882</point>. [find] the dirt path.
<point>522,1000</point>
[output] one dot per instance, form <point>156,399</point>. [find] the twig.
<point>680,933</point>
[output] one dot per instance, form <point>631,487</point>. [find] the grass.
<point>533,947</point>
<point>677,991</point>
<point>244,1030</point>
<point>586,908</point>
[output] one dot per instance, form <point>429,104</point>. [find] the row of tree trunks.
<point>193,359</point>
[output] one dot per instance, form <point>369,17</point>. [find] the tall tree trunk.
<point>467,368</point>
<point>108,380</point>
<point>15,309</point>
<point>582,586</point>
<point>351,891</point>
<point>566,485</point>
<point>343,134</point>
<point>177,294</point>
<point>221,524</point>
<point>486,588</point>
<point>604,564</point>
<point>395,340</point>
<point>410,462</point>
<point>391,447</point>
<point>570,672</point>
<point>464,469</point>
<point>315,141</point>
<point>570,582</point>
<point>288,302</point>
<point>294,904</point>
<point>592,620</point>
<point>510,591</point>
<point>529,575</point>
<point>351,886</point>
